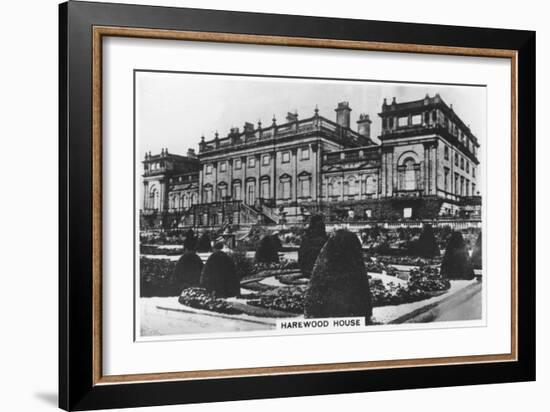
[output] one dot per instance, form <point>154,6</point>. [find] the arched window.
<point>184,202</point>
<point>194,199</point>
<point>154,200</point>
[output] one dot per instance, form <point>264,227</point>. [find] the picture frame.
<point>82,383</point>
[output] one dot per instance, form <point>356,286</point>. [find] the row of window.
<point>462,186</point>
<point>460,161</point>
<point>284,188</point>
<point>266,161</point>
<point>351,186</point>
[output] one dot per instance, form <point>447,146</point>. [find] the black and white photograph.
<point>290,205</point>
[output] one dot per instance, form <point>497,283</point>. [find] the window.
<point>222,190</point>
<point>473,189</point>
<point>427,117</point>
<point>462,163</point>
<point>285,157</point>
<point>368,213</point>
<point>403,121</point>
<point>446,152</point>
<point>154,199</point>
<point>208,169</point>
<point>285,187</point>
<point>264,189</point>
<point>407,212</point>
<point>304,187</point>
<point>456,184</point>
<point>265,160</point>
<point>467,167</point>
<point>208,194</point>
<point>223,166</point>
<point>434,116</point>
<point>461,186</point>
<point>456,159</point>
<point>409,181</point>
<point>238,164</point>
<point>370,185</point>
<point>467,188</point>
<point>417,119</point>
<point>391,122</point>
<point>473,171</point>
<point>237,191</point>
<point>446,179</point>
<point>304,153</point>
<point>252,161</point>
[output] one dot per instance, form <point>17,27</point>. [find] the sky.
<point>173,110</point>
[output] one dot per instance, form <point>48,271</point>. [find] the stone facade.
<point>425,166</point>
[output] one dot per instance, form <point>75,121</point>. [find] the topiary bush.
<point>190,242</point>
<point>267,251</point>
<point>188,270</point>
<point>476,255</point>
<point>339,285</point>
<point>313,241</point>
<point>426,245</point>
<point>219,276</point>
<point>204,244</point>
<point>456,262</point>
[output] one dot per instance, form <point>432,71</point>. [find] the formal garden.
<point>307,271</point>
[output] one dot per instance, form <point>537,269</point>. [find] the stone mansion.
<point>425,166</point>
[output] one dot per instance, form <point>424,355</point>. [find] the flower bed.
<point>406,260</point>
<point>288,299</point>
<point>157,278</point>
<point>154,250</point>
<point>199,298</point>
<point>428,278</point>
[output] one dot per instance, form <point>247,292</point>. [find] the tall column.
<point>294,187</point>
<point>215,188</point>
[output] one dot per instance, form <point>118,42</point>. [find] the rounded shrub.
<point>313,241</point>
<point>339,285</point>
<point>190,241</point>
<point>267,251</point>
<point>187,272</point>
<point>426,245</point>
<point>219,276</point>
<point>456,262</point>
<point>204,244</point>
<point>476,254</point>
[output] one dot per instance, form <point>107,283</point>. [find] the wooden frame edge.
<point>98,32</point>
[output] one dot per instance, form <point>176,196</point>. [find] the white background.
<point>28,126</point>
<point>122,356</point>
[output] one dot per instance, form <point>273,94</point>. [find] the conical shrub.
<point>266,251</point>
<point>426,245</point>
<point>476,254</point>
<point>204,244</point>
<point>188,270</point>
<point>219,276</point>
<point>456,262</point>
<point>190,242</point>
<point>339,285</point>
<point>313,241</point>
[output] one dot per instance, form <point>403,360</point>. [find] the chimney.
<point>342,114</point>
<point>363,125</point>
<point>191,153</point>
<point>248,128</point>
<point>292,117</point>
